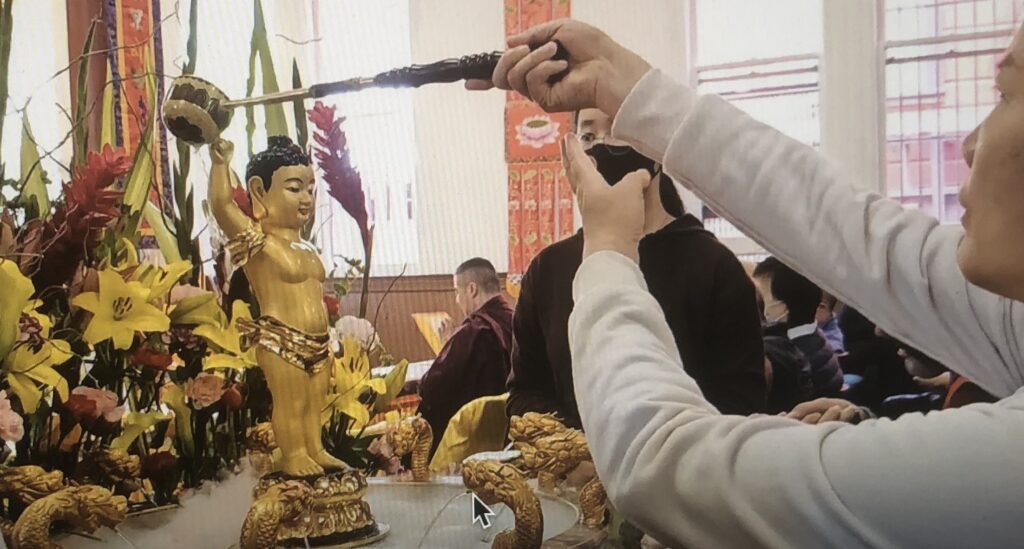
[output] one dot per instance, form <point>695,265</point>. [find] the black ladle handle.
<point>469,67</point>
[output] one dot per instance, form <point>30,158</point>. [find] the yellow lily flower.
<point>159,280</point>
<point>199,310</point>
<point>134,424</point>
<point>166,277</point>
<point>352,378</point>
<point>44,321</point>
<point>25,368</point>
<point>227,341</point>
<point>119,310</point>
<point>17,289</point>
<point>125,256</point>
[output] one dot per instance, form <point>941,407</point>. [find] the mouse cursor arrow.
<point>481,512</point>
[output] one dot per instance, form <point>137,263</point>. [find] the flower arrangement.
<point>103,347</point>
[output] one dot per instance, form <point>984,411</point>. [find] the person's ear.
<point>258,194</point>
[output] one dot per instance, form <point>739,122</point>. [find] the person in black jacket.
<point>790,375</point>
<point>704,292</point>
<point>791,302</point>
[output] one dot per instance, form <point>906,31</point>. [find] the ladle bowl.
<point>195,110</point>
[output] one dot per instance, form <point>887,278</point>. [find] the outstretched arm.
<point>231,219</point>
<point>898,266</point>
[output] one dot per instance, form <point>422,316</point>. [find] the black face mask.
<point>616,161</point>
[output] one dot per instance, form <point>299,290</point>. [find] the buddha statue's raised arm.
<point>231,219</point>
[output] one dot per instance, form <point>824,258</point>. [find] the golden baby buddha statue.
<point>322,496</point>
<point>287,277</point>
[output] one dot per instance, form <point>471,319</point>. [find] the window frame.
<point>889,56</point>
<point>738,243</point>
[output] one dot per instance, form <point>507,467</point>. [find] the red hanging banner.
<point>539,199</point>
<point>133,27</point>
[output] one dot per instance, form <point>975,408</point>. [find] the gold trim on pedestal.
<point>317,507</point>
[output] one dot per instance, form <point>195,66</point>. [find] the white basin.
<point>410,508</point>
<point>212,519</point>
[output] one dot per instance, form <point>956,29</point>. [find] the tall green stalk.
<point>6,30</point>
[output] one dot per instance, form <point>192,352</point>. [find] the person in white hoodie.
<point>692,477</point>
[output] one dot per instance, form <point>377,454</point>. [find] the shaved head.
<point>481,272</point>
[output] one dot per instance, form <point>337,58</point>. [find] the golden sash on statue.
<point>308,352</point>
<point>246,244</point>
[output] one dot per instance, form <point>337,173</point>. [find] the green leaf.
<point>136,423</point>
<point>140,178</point>
<point>394,381</point>
<point>81,134</point>
<point>174,398</point>
<point>299,109</point>
<point>199,310</point>
<point>183,223</point>
<point>6,30</point>
<point>191,46</point>
<point>259,46</point>
<point>165,239</point>
<point>183,202</point>
<point>107,123</point>
<point>33,180</point>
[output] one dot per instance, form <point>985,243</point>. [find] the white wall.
<point>852,123</point>
<point>461,187</point>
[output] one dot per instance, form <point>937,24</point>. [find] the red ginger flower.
<point>343,181</point>
<point>89,207</point>
<point>241,197</point>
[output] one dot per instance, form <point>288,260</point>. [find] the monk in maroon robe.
<point>475,361</point>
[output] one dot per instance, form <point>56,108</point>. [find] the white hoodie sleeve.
<point>693,478</point>
<point>897,266</point>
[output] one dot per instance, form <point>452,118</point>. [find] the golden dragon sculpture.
<point>85,508</point>
<point>496,482</point>
<point>549,450</point>
<point>27,483</point>
<point>282,504</point>
<point>114,466</point>
<point>264,455</point>
<point>413,435</point>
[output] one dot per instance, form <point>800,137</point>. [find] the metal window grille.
<point>781,90</point>
<point>940,59</point>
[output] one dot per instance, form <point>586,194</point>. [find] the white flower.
<point>359,329</point>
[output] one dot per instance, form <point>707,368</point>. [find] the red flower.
<point>89,207</point>
<point>232,398</point>
<point>158,465</point>
<point>333,305</point>
<point>242,200</point>
<point>90,201</point>
<point>151,358</point>
<point>343,181</point>
<point>81,407</point>
<point>94,413</point>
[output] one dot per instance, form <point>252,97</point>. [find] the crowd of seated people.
<point>791,304</point>
<point>843,354</point>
